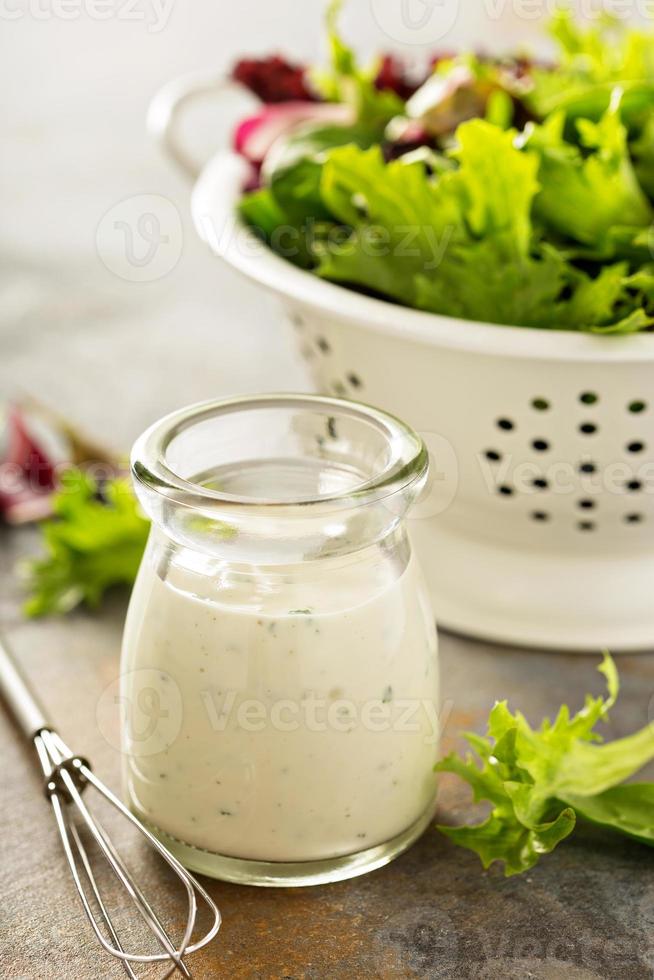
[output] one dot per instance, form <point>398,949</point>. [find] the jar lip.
<point>408,461</point>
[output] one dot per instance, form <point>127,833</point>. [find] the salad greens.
<point>347,82</point>
<point>95,541</point>
<point>463,243</point>
<point>591,61</point>
<point>546,224</point>
<point>538,781</point>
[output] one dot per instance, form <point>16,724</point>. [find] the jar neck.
<point>278,479</point>
<point>330,584</point>
<point>207,547</point>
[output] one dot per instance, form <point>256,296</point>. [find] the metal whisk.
<point>66,776</point>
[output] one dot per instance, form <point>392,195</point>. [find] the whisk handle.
<point>19,698</point>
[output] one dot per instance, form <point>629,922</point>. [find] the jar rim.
<point>408,460</point>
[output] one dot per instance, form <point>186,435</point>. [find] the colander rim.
<point>215,215</point>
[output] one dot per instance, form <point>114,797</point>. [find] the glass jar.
<point>279,663</point>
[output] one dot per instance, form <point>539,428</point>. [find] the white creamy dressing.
<point>307,726</point>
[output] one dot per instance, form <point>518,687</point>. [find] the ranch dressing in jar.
<point>280,638</point>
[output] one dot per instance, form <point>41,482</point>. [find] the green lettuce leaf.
<point>474,283</point>
<point>612,302</point>
<point>91,544</point>
<point>288,212</point>
<point>585,193</point>
<point>397,226</point>
<point>502,838</point>
<point>642,151</point>
<point>458,243</point>
<point>535,778</point>
<point>261,211</point>
<point>627,809</point>
<point>293,169</point>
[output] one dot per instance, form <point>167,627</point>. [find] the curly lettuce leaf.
<point>613,302</point>
<point>397,228</point>
<point>501,836</point>
<point>460,243</point>
<point>476,284</point>
<point>587,192</point>
<point>536,778</point>
<point>94,541</point>
<point>627,809</point>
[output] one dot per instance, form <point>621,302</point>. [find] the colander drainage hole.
<point>633,518</point>
<point>323,345</point>
<point>586,526</point>
<point>588,397</point>
<point>540,445</point>
<point>635,447</point>
<point>588,428</point>
<point>540,515</point>
<point>634,485</point>
<point>493,455</point>
<point>504,490</point>
<point>586,504</point>
<point>540,483</point>
<point>505,424</point>
<point>540,404</point>
<point>587,467</point>
<point>637,406</point>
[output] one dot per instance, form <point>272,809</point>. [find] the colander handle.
<point>168,105</point>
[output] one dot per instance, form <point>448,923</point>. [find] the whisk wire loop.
<point>66,777</point>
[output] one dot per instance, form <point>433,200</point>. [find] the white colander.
<point>539,528</point>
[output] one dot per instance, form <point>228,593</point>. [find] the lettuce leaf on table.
<point>95,541</point>
<point>539,780</point>
<point>627,809</point>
